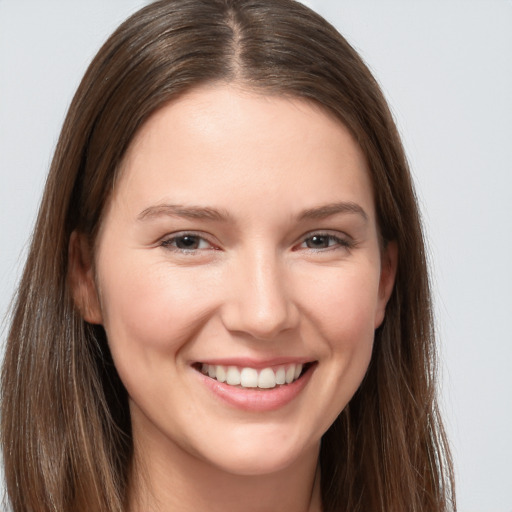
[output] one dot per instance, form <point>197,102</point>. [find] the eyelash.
<point>171,243</point>
<point>339,242</point>
<point>333,243</point>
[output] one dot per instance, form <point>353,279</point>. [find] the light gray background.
<point>446,68</point>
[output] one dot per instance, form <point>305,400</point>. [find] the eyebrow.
<point>213,214</point>
<point>323,212</point>
<point>188,212</point>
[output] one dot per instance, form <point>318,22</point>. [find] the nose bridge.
<point>261,303</point>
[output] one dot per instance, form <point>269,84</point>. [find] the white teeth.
<point>220,373</point>
<point>233,376</point>
<point>249,378</point>
<point>266,378</point>
<point>280,375</point>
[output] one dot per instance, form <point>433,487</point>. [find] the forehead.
<point>219,143</point>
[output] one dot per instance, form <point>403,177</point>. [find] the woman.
<point>226,302</point>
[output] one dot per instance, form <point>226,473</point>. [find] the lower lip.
<point>258,400</point>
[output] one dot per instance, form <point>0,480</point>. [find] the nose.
<point>260,295</point>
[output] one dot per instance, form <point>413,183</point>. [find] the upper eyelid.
<point>180,234</point>
<point>326,232</point>
<point>210,239</point>
<point>341,240</point>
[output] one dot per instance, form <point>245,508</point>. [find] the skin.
<point>256,284</point>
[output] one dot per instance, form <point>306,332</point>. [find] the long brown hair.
<point>66,433</point>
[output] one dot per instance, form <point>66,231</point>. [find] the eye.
<point>321,241</point>
<point>187,242</point>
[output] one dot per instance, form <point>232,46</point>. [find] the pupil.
<point>187,242</point>
<point>317,241</point>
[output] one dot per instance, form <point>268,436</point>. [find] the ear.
<point>388,266</point>
<point>81,278</point>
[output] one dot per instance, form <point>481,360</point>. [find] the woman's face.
<point>240,245</point>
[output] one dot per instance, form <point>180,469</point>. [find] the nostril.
<point>261,323</point>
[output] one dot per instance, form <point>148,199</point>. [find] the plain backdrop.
<point>446,69</point>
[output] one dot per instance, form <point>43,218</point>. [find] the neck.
<point>172,480</point>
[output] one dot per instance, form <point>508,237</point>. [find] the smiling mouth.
<point>246,377</point>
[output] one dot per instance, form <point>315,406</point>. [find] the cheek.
<point>339,313</point>
<point>343,305</point>
<point>153,311</point>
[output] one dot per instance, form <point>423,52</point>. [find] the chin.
<point>254,455</point>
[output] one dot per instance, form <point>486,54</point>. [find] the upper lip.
<point>247,362</point>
